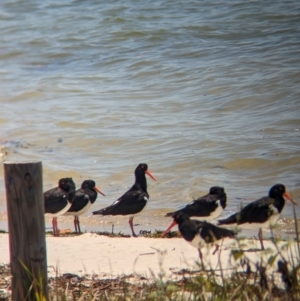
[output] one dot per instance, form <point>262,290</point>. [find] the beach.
<point>112,257</point>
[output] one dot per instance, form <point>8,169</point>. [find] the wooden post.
<point>26,227</point>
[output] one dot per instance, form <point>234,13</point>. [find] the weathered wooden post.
<point>26,226</point>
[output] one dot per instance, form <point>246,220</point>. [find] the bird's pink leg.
<point>131,226</point>
<point>55,228</point>
<point>216,249</point>
<point>201,258</point>
<point>78,224</point>
<point>260,237</point>
<point>75,224</point>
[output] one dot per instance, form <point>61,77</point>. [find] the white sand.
<point>110,257</point>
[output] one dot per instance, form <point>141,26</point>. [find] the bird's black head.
<point>180,217</point>
<point>277,191</point>
<point>91,185</point>
<point>220,193</point>
<point>216,190</point>
<point>66,184</point>
<point>142,167</point>
<point>88,184</point>
<point>141,170</point>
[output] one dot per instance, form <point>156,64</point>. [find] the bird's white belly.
<point>82,211</point>
<point>266,225</point>
<point>198,242</point>
<point>217,212</point>
<point>213,215</point>
<point>61,212</point>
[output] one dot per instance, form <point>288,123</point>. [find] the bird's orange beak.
<point>98,190</point>
<point>287,196</point>
<point>169,228</point>
<point>150,175</point>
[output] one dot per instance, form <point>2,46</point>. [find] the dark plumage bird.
<point>58,200</point>
<point>206,207</point>
<point>262,213</point>
<point>200,233</point>
<point>85,197</point>
<point>134,200</point>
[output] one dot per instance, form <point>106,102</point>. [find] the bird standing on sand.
<point>262,213</point>
<point>84,199</point>
<point>206,207</point>
<point>200,233</point>
<point>58,200</point>
<point>134,200</point>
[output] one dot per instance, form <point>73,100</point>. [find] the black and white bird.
<point>134,200</point>
<point>263,213</point>
<point>200,233</point>
<point>85,197</point>
<point>207,207</point>
<point>58,200</point>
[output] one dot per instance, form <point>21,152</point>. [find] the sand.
<point>110,257</point>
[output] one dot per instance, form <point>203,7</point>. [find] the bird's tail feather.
<point>228,221</point>
<point>170,214</point>
<point>229,233</point>
<point>104,211</point>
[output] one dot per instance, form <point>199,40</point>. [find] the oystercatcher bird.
<point>58,200</point>
<point>134,200</point>
<point>206,207</point>
<point>200,233</point>
<point>85,197</point>
<point>262,213</point>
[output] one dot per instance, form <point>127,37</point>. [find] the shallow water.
<point>206,94</point>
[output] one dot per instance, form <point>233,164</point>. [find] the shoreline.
<point>146,221</point>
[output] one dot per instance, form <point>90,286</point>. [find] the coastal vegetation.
<point>247,280</point>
